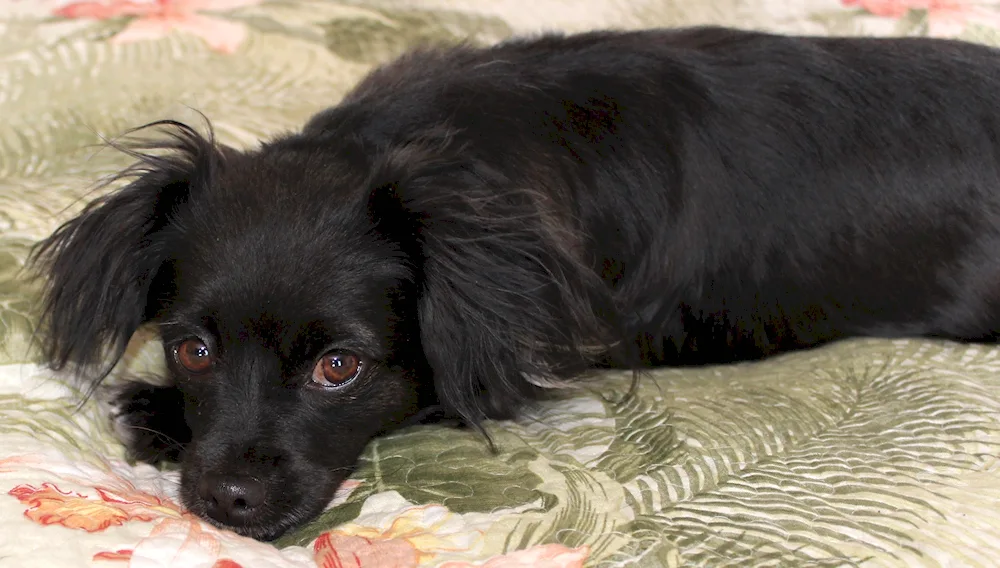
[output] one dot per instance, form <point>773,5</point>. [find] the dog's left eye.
<point>336,368</point>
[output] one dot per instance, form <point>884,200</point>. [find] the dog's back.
<point>741,193</point>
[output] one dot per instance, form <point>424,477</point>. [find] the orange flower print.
<point>49,505</point>
<point>175,542</point>
<point>118,555</point>
<point>542,556</point>
<point>333,550</point>
<point>156,19</point>
<point>945,18</point>
<point>12,463</point>
<point>126,556</point>
<point>343,492</point>
<point>410,536</point>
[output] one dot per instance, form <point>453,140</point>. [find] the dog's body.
<point>470,224</point>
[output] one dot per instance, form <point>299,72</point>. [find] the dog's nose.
<point>232,499</point>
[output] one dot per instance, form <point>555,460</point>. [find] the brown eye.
<point>194,356</point>
<point>336,368</point>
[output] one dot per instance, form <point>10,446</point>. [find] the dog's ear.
<point>506,303</point>
<point>103,268</point>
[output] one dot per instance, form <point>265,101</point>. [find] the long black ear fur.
<point>100,267</point>
<point>506,305</point>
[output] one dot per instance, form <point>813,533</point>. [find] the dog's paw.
<point>149,420</point>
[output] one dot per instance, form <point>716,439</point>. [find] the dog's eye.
<point>194,356</point>
<point>336,368</point>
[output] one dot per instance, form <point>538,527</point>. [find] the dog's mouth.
<point>265,533</point>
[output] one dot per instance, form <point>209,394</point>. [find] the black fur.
<point>475,223</point>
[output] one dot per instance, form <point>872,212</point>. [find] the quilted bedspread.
<point>866,452</point>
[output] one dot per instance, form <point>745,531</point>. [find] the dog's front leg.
<point>149,420</point>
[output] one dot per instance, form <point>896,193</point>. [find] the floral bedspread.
<point>875,453</point>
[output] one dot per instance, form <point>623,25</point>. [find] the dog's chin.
<point>268,530</point>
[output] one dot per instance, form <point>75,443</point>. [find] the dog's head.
<point>309,297</point>
<point>287,318</point>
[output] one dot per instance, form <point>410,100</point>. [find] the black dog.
<point>472,225</point>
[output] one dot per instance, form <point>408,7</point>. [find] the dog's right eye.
<point>194,356</point>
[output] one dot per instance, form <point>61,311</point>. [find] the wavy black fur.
<point>477,224</point>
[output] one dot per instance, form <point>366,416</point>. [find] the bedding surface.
<point>861,453</point>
